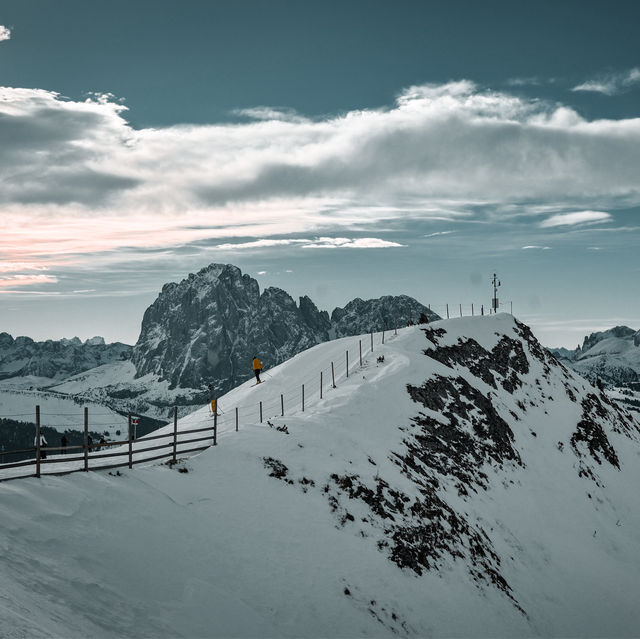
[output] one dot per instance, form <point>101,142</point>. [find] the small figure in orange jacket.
<point>257,367</point>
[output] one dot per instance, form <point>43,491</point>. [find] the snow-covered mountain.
<point>613,356</point>
<point>208,327</point>
<point>610,358</point>
<point>467,484</point>
<point>56,359</point>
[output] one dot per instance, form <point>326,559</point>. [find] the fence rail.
<point>288,401</point>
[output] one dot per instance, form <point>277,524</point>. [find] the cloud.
<point>5,33</point>
<point>14,267</point>
<point>439,233</point>
<point>578,217</point>
<point>257,244</point>
<point>344,242</point>
<point>321,242</point>
<point>271,113</point>
<point>534,246</point>
<point>611,84</point>
<point>79,179</point>
<point>19,281</point>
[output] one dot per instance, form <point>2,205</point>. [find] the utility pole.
<point>494,302</point>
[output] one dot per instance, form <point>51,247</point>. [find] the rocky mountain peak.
<point>206,328</point>
<point>620,332</point>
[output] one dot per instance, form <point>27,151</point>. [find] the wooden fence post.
<point>347,363</point>
<point>472,309</point>
<point>175,434</point>
<point>383,335</point>
<point>447,311</point>
<point>372,341</point>
<point>333,376</point>
<point>395,324</point>
<point>130,444</point>
<point>360,342</point>
<point>482,310</point>
<point>37,441</point>
<point>215,425</point>
<point>320,384</point>
<point>303,398</point>
<point>460,310</point>
<point>236,419</point>
<point>282,403</point>
<point>86,439</point>
<point>261,411</point>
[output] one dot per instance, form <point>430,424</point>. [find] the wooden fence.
<point>130,452</point>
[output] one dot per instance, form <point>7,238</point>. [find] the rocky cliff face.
<point>361,316</point>
<point>208,327</point>
<point>56,359</point>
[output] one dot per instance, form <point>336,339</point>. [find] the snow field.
<point>225,550</point>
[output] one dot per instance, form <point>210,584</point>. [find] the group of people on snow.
<point>63,444</point>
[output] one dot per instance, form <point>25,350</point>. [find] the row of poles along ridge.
<point>91,452</point>
<point>277,407</point>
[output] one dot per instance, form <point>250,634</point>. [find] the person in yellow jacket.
<point>257,368</point>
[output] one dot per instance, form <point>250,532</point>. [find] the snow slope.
<point>477,489</point>
<point>59,412</point>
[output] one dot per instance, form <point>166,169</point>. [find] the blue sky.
<point>336,149</point>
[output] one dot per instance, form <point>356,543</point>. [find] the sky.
<point>335,149</point>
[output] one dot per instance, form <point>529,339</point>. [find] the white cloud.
<point>271,113</point>
<point>257,244</point>
<point>5,33</point>
<point>611,84</point>
<point>344,242</point>
<point>320,242</point>
<point>16,267</point>
<point>19,281</point>
<point>439,233</point>
<point>534,246</point>
<point>578,217</point>
<point>262,273</point>
<point>77,178</point>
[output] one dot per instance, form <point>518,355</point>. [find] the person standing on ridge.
<point>257,368</point>
<point>43,445</point>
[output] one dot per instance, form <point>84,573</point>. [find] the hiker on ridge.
<point>257,368</point>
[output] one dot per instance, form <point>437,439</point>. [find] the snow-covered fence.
<point>107,455</point>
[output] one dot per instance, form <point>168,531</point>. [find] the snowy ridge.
<point>468,485</point>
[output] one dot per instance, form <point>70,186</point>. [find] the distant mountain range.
<point>56,359</point>
<point>205,329</point>
<point>611,356</point>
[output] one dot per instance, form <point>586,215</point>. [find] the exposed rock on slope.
<point>361,316</point>
<point>493,410</point>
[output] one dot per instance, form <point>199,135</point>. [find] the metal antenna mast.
<point>494,302</point>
